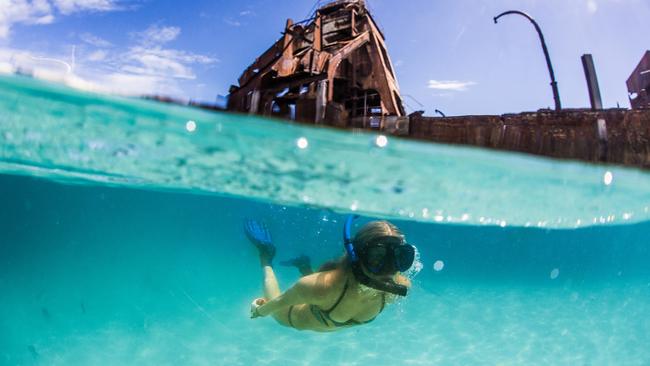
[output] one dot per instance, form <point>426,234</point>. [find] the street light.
<point>556,93</point>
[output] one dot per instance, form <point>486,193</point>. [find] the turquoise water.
<point>121,241</point>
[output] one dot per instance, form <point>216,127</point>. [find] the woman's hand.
<point>255,305</point>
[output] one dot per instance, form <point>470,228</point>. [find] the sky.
<point>448,54</point>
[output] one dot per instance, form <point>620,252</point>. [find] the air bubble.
<point>190,126</point>
<point>302,143</point>
<point>438,265</point>
<point>381,141</point>
<point>608,178</point>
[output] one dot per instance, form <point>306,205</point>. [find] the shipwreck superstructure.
<point>332,68</point>
<point>638,84</point>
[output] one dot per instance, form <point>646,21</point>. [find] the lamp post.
<point>556,93</point>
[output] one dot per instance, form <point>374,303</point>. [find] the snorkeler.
<point>347,292</point>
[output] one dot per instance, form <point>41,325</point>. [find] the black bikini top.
<point>325,314</point>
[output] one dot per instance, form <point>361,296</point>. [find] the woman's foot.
<point>259,235</point>
<point>297,262</point>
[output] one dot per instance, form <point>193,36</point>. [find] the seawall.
<point>624,136</point>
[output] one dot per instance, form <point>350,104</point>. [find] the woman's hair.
<point>368,233</point>
<point>374,230</point>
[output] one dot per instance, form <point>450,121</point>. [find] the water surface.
<point>121,241</point>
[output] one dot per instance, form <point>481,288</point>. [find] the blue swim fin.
<point>259,235</point>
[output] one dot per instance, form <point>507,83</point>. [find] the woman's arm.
<point>308,290</point>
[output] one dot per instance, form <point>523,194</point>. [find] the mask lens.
<point>376,258</point>
<point>404,257</point>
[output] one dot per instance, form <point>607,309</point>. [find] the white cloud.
<point>94,40</point>
<point>23,12</point>
<point>154,62</point>
<point>133,84</point>
<point>101,77</point>
<point>245,13</point>
<point>29,61</point>
<point>45,19</point>
<point>156,35</point>
<point>146,66</point>
<point>97,56</point>
<point>163,62</point>
<point>74,6</point>
<point>6,68</point>
<point>451,85</point>
<point>592,6</point>
<point>232,23</point>
<point>149,57</point>
<point>44,11</point>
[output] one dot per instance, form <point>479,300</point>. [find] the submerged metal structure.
<point>332,68</point>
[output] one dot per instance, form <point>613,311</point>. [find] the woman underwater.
<point>343,293</point>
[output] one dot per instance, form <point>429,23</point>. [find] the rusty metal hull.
<point>330,69</point>
<point>638,85</point>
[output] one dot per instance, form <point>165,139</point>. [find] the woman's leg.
<point>259,235</point>
<point>297,316</point>
<point>271,286</point>
<point>272,290</point>
<point>302,263</point>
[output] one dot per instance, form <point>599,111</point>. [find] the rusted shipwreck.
<point>638,84</point>
<point>332,68</point>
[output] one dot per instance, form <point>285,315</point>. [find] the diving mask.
<point>387,255</point>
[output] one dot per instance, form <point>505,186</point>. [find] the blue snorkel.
<point>358,272</point>
<point>347,238</point>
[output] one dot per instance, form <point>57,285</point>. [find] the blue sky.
<point>448,54</point>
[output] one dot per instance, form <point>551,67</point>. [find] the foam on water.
<point>57,133</point>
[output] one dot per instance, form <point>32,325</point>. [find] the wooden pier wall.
<point>569,134</point>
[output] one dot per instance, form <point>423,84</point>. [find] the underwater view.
<point>122,241</point>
